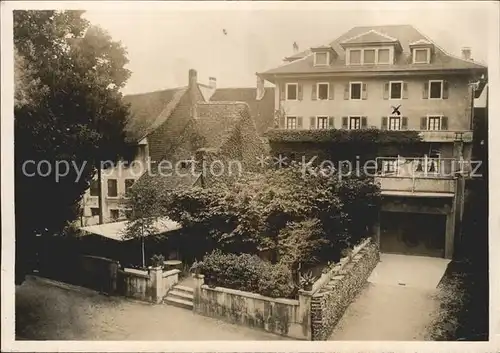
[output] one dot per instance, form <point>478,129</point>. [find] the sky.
<point>164,42</point>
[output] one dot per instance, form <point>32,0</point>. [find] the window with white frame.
<point>434,123</point>
<point>383,56</point>
<point>396,90</point>
<point>355,56</point>
<point>369,56</point>
<point>355,90</point>
<point>389,166</point>
<point>291,122</point>
<point>394,123</point>
<point>323,89</point>
<point>112,188</point>
<point>436,89</point>
<point>421,55</point>
<point>291,91</point>
<point>321,58</point>
<point>322,122</point>
<point>354,122</point>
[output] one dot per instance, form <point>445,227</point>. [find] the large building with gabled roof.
<point>388,78</point>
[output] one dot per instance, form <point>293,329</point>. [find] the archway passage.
<point>413,233</point>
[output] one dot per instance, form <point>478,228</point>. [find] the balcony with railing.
<point>419,176</point>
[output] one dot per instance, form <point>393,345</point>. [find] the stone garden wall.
<point>328,305</point>
<point>286,317</point>
<point>151,285</point>
<point>312,317</point>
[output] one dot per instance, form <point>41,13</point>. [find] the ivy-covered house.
<point>167,125</point>
<point>392,96</point>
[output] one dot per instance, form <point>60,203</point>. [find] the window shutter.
<point>425,91</point>
<point>445,89</point>
<point>299,91</point>
<point>331,121</point>
<point>364,122</point>
<point>364,93</point>
<point>405,90</point>
<point>346,91</point>
<point>282,122</point>
<point>299,122</point>
<point>444,123</point>
<point>423,123</point>
<point>404,123</point>
<point>386,90</point>
<point>331,90</point>
<point>312,122</point>
<point>282,91</point>
<point>344,122</point>
<point>314,92</point>
<point>384,123</point>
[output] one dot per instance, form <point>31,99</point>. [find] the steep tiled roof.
<point>262,111</point>
<point>214,125</point>
<point>217,121</point>
<point>405,34</point>
<point>150,110</point>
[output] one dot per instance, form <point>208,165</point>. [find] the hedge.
<point>247,273</point>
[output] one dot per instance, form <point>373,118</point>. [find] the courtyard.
<point>49,310</point>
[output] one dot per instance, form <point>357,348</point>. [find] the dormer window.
<point>369,56</point>
<point>421,55</point>
<point>321,58</point>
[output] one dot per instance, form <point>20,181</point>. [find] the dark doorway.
<point>412,233</point>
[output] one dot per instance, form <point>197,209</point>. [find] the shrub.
<point>276,281</point>
<point>248,273</point>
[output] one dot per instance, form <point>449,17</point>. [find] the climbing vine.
<point>363,136</point>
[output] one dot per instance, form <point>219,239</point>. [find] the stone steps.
<point>180,296</point>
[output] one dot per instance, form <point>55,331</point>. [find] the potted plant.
<point>307,280</point>
<point>157,260</point>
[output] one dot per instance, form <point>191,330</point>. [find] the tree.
<point>68,108</point>
<point>146,202</point>
<point>279,209</point>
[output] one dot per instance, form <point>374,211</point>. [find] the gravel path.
<point>48,311</point>
<point>388,312</point>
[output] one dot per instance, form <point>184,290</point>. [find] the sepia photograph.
<point>248,171</point>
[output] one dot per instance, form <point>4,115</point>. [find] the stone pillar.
<point>113,274</point>
<point>304,313</point>
<point>156,278</point>
<point>450,233</point>
<point>197,295</point>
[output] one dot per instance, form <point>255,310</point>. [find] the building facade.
<point>391,78</point>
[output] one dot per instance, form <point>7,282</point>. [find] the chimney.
<point>193,82</point>
<point>212,82</point>
<point>466,53</point>
<point>260,88</point>
<point>193,78</point>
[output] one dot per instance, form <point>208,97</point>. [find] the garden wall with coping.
<point>286,317</point>
<point>332,297</point>
<point>312,317</point>
<point>152,285</point>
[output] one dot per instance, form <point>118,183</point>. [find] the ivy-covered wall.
<point>328,307</point>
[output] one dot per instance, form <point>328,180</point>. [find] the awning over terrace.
<point>116,230</point>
